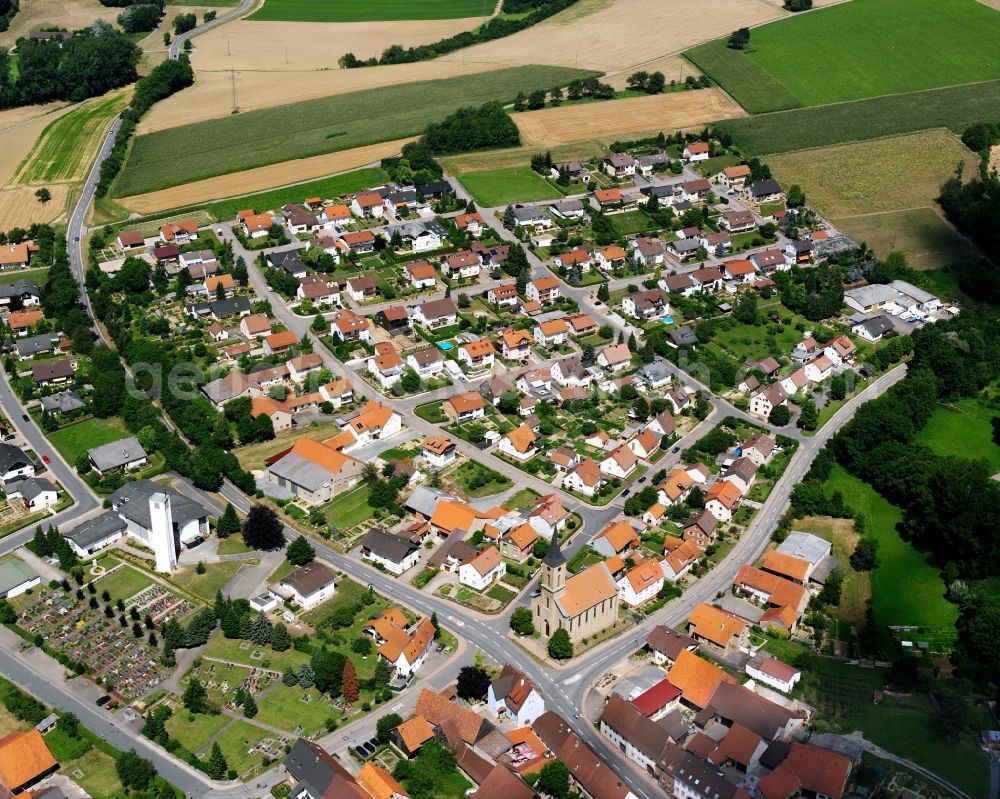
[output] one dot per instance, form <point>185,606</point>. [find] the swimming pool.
<point>668,320</point>
<point>445,345</point>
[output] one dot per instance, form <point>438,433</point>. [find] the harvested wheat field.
<point>19,129</point>
<point>19,207</point>
<point>251,181</point>
<point>666,112</point>
<point>69,14</point>
<point>283,62</point>
<point>613,36</point>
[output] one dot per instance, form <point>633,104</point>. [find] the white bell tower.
<point>161,532</point>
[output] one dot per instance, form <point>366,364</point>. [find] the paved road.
<point>174,50</point>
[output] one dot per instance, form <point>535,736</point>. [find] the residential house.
<point>551,334</point>
<point>767,399</point>
<point>513,697</point>
<point>255,326</point>
<point>362,288</point>
<point>618,538</point>
<point>678,557</point>
<point>531,216</point>
<point>620,462</point>
<point>619,165</point>
<point>695,190</point>
<point>438,451</point>
<point>129,240</point>
<point>684,249</point>
<point>464,407</point>
<point>570,371</point>
<point>289,261</point>
<point>470,223</point>
<point>662,424</point>
<point>608,199</point>
<point>349,326</point>
<point>700,528</point>
<point>647,304</point>
<point>278,412</point>
<point>614,357</point>
<point>795,382</point>
<point>427,362</point>
<point>718,630</point>
<point>517,544</point>
<point>665,645</point>
<point>420,236</point>
<point>840,351</point>
<point>386,365</point>
<point>874,329</point>
<point>648,252</point>
<point>478,354</point>
<point>319,289</point>
<point>435,190</point>
<point>482,571</point>
<point>655,375</point>
<point>179,232</point>
<point>759,448</point>
<point>543,290</point>
<point>696,151</point>
<point>519,443</point>
<point>641,583</point>
<point>807,771</point>
<point>368,204</point>
<point>548,516</point>
<point>310,585</point>
<point>516,344</point>
<point>723,499</point>
<point>254,225</point>
<point>610,257</point>
<point>819,369</point>
<point>639,738</point>
<point>763,191</point>
<point>393,553</point>
<point>25,760</point>
<point>646,165</point>
<point>358,242</point>
<point>122,455</point>
<point>737,221</point>
<point>569,209</point>
<point>435,314</point>
<point>503,296</point>
<point>584,478</point>
<point>734,176</point>
<point>741,472</point>
<point>420,274</point>
<point>773,673</point>
<point>767,261</point>
<point>784,601</point>
<point>279,342</point>
<point>20,322</point>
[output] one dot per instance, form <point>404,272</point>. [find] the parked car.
<point>676,449</point>
<point>103,700</point>
<point>626,492</point>
<point>46,460</point>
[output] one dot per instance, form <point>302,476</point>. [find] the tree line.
<point>496,28</point>
<point>165,79</point>
<point>91,62</point>
<point>485,128</point>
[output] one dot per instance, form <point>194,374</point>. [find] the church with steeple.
<point>583,604</point>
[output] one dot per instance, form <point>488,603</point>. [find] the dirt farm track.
<point>666,112</point>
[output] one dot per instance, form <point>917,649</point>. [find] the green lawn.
<point>284,708</point>
<point>965,432</point>
<point>94,772</point>
<point>76,439</point>
<point>955,108</point>
<point>744,341</point>
<point>124,583</point>
<point>195,735</point>
<point>524,499</point>
<point>753,87</point>
<point>631,222</point>
<point>13,275</point>
<point>906,590</point>
<point>348,183</point>
<point>867,48</point>
<point>312,127</point>
<point>516,184</point>
<point>365,11</point>
<point>205,586</point>
<point>236,742</point>
<point>349,509</point>
<point>232,651</point>
<point>233,545</point>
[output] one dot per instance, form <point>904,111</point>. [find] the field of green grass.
<point>233,651</point>
<point>367,11</point>
<point>76,439</point>
<point>867,48</point>
<point>287,708</point>
<point>954,108</point>
<point>349,509</point>
<point>752,86</point>
<point>66,146</point>
<point>906,590</point>
<point>348,183</point>
<point>236,742</point>
<point>312,127</point>
<point>196,734</point>
<point>519,184</point>
<point>631,222</point>
<point>921,234</point>
<point>206,585</point>
<point>494,481</point>
<point>963,430</point>
<point>124,583</point>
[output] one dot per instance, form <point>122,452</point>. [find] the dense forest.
<point>485,128</point>
<point>90,63</point>
<point>8,8</point>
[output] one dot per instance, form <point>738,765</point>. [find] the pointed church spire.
<point>554,557</point>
